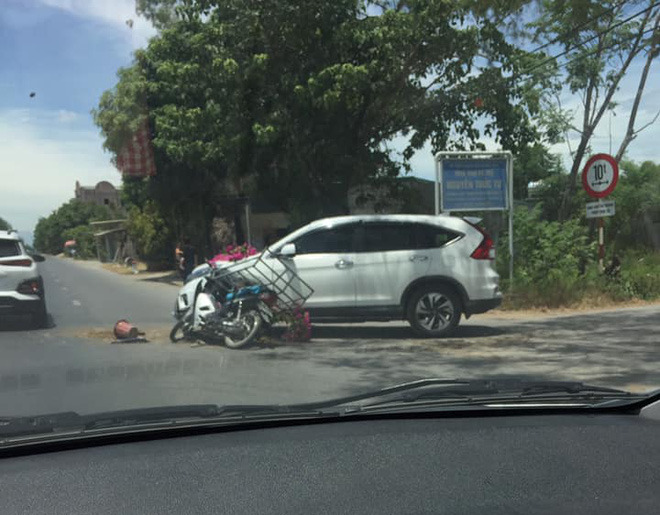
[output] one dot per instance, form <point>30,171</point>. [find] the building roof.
<point>109,231</point>
<point>108,222</point>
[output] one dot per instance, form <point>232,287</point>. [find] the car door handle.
<point>342,264</point>
<point>419,258</point>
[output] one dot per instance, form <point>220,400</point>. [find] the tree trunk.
<point>593,114</point>
<point>569,192</point>
<point>630,131</point>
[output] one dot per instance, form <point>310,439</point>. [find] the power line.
<point>576,29</point>
<point>597,35</point>
<point>596,50</point>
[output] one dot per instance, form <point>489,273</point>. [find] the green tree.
<point>637,198</point>
<point>298,99</point>
<point>600,39</point>
<point>151,234</point>
<point>85,242</point>
<point>4,225</point>
<point>533,163</point>
<point>49,233</point>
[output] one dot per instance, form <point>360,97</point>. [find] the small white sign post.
<point>600,208</point>
<point>599,178</point>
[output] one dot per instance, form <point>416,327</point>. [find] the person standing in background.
<point>188,258</point>
<point>178,259</point>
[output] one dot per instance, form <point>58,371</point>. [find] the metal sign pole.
<point>510,200</point>
<point>437,187</point>
<point>601,241</point>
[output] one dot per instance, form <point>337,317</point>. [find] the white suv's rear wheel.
<point>434,311</point>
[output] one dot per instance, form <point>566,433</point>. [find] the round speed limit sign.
<point>600,175</point>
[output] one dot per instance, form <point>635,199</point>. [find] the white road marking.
<point>76,303</point>
<point>56,280</point>
<point>64,288</point>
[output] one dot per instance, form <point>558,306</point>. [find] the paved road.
<point>72,366</point>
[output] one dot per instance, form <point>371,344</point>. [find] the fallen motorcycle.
<point>235,302</point>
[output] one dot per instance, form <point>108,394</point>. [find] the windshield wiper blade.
<point>569,387</point>
<point>406,391</point>
<point>470,391</point>
<point>72,421</point>
<point>39,424</point>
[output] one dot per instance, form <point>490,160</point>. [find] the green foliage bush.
<point>639,277</point>
<point>555,265</point>
<point>50,232</point>
<point>545,252</point>
<point>637,198</point>
<point>4,225</point>
<point>151,234</point>
<point>85,242</point>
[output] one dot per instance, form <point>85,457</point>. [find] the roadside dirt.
<point>572,310</point>
<point>159,334</point>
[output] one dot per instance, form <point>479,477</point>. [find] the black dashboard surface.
<point>542,464</point>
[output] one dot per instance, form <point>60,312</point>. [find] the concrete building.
<point>103,194</point>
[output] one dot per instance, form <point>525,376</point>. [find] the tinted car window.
<point>432,236</point>
<point>9,248</point>
<point>386,236</point>
<point>326,241</point>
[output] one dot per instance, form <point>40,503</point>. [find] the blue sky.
<point>68,52</point>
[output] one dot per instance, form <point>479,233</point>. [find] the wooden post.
<point>601,243</point>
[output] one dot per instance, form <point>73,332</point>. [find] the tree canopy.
<point>69,221</point>
<point>300,99</point>
<point>599,41</point>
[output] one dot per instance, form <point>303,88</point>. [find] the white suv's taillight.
<point>29,287</point>
<point>17,262</point>
<point>486,249</point>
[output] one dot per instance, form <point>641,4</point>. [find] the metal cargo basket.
<point>275,274</point>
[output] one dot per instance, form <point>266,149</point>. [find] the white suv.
<point>21,286</point>
<point>426,269</point>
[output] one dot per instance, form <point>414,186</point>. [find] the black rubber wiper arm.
<point>404,392</point>
<point>433,388</point>
<point>70,420</point>
<point>570,387</point>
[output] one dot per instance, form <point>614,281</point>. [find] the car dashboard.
<point>558,463</point>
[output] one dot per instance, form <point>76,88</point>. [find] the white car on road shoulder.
<point>21,286</point>
<point>426,269</point>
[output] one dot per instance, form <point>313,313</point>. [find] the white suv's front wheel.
<point>434,311</point>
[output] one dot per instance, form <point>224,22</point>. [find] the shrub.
<point>545,253</point>
<point>85,243</point>
<point>151,234</point>
<point>639,277</point>
<point>50,232</point>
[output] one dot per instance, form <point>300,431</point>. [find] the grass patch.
<point>638,280</point>
<point>123,269</point>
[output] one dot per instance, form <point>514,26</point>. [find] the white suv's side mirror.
<point>288,251</point>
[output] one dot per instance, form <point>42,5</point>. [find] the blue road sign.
<point>474,184</point>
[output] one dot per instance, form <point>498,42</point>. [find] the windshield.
<point>450,191</point>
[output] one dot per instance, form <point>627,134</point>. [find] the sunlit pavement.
<point>72,366</point>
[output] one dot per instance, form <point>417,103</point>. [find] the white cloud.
<point>65,116</point>
<point>112,12</point>
<point>41,161</point>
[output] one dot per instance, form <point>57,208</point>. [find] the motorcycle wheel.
<point>179,332</point>
<point>252,323</point>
